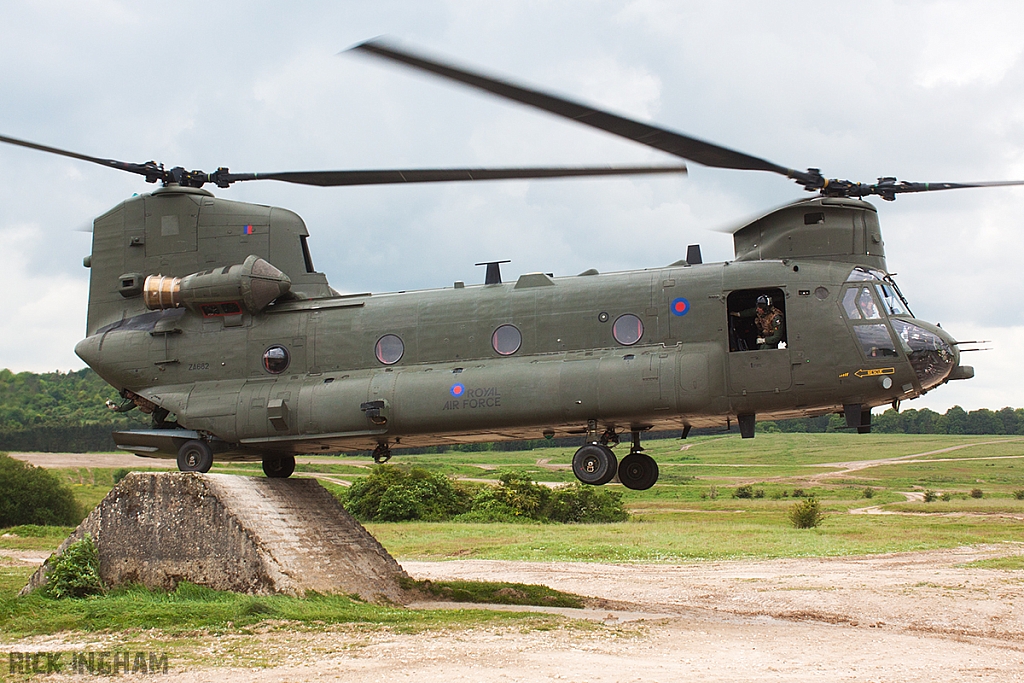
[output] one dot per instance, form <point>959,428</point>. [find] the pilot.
<point>768,320</point>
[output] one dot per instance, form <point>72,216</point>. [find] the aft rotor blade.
<point>150,169</point>
<point>441,175</point>
<point>680,145</point>
<point>888,188</point>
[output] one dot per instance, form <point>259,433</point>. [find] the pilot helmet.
<point>762,301</point>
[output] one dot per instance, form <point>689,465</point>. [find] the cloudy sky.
<point>926,91</point>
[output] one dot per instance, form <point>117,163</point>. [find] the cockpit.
<point>884,327</point>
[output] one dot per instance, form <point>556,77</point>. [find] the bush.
<point>977,493</point>
<point>580,504</point>
<point>930,496</point>
<point>32,495</point>
<point>798,493</point>
<point>869,492</point>
<point>120,473</point>
<point>946,496</point>
<point>745,491</point>
<point>397,494</point>
<point>806,514</point>
<point>1019,494</point>
<point>75,573</point>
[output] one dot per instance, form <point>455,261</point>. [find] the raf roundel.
<point>680,306</point>
<point>457,390</point>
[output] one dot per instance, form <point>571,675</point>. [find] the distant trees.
<point>59,411</point>
<point>954,421</point>
<point>32,495</point>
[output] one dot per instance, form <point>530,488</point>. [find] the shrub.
<point>1019,494</point>
<point>869,492</point>
<point>75,573</point>
<point>946,496</point>
<point>32,495</point>
<point>806,514</point>
<point>120,473</point>
<point>745,491</point>
<point>396,494</point>
<point>798,493</point>
<point>711,493</point>
<point>758,493</point>
<point>977,493</point>
<point>930,496</point>
<point>580,504</point>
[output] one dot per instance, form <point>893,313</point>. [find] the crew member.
<point>768,320</point>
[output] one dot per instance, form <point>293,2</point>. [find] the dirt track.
<point>901,617</point>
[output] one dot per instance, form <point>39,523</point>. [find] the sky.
<point>925,91</point>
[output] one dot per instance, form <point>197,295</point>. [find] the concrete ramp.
<point>243,534</point>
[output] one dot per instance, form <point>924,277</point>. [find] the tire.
<point>279,466</point>
<point>638,471</point>
<point>195,456</point>
<point>594,464</point>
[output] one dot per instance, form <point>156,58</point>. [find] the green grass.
<point>497,593</point>
<point>1012,563</point>
<point>192,608</point>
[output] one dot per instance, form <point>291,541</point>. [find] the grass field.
<point>690,515</point>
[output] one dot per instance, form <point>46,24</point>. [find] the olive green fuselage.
<point>448,382</point>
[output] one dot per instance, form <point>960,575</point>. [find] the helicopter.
<point>211,311</point>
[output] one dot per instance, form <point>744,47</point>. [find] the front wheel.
<point>279,466</point>
<point>594,464</point>
<point>638,471</point>
<point>195,456</point>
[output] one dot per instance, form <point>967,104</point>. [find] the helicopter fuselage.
<point>661,348</point>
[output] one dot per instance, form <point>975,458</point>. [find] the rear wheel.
<point>594,464</point>
<point>638,471</point>
<point>195,456</point>
<point>278,466</point>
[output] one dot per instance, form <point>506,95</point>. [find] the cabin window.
<point>506,340</point>
<point>627,329</point>
<point>389,349</point>
<point>757,319</point>
<point>875,341</point>
<point>276,359</point>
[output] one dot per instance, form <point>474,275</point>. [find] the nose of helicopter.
<point>932,352</point>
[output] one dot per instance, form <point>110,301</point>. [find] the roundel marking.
<point>680,306</point>
<point>457,389</point>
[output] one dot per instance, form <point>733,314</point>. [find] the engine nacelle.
<point>254,284</point>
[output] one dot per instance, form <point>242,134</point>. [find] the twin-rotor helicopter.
<point>209,315</point>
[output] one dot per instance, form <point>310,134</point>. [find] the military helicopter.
<point>211,310</point>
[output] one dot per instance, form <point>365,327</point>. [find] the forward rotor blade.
<point>680,145</point>
<point>148,169</point>
<point>441,175</point>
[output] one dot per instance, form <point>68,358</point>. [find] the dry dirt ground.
<point>900,617</point>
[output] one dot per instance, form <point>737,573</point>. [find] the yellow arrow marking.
<point>875,372</point>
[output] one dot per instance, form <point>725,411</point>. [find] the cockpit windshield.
<point>889,299</point>
<point>885,286</point>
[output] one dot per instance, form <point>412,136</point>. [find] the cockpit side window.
<point>866,304</point>
<point>850,303</point>
<point>757,319</point>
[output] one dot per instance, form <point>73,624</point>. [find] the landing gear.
<point>382,453</point>
<point>594,464</point>
<point>195,456</point>
<point>638,471</point>
<point>278,466</point>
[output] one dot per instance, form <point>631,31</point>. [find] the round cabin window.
<point>627,329</point>
<point>275,359</point>
<point>506,340</point>
<point>389,349</point>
